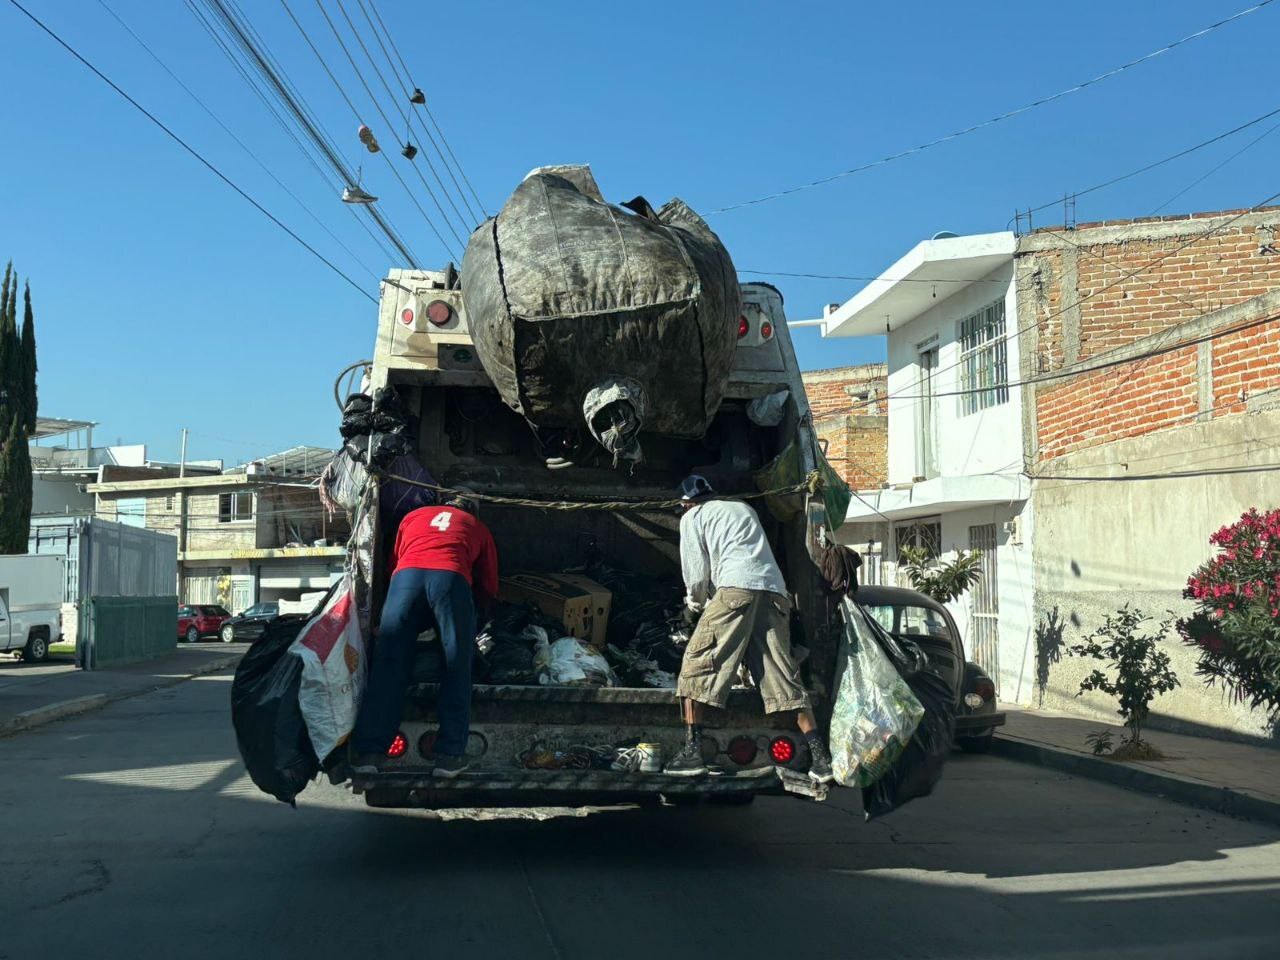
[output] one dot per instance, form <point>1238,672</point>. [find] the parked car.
<point>30,605</point>
<point>251,625</point>
<point>200,620</point>
<point>918,617</point>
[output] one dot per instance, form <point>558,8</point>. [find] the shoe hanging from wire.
<point>368,139</point>
<point>418,96</point>
<point>354,193</point>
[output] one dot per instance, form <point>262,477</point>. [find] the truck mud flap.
<point>802,785</point>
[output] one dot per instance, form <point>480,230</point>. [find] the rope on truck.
<point>811,485</point>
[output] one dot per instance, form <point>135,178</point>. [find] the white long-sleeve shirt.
<point>722,544</point>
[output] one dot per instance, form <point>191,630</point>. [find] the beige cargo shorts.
<point>738,623</point>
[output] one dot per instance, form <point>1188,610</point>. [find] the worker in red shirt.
<point>442,554</point>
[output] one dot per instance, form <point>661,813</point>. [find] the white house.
<point>956,477</point>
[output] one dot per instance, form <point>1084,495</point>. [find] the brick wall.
<point>850,414</point>
<point>1080,309</point>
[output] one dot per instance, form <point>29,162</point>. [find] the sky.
<point>164,300</point>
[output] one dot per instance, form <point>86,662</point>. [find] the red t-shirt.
<point>446,538</point>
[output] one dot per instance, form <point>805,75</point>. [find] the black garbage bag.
<point>270,731</point>
<point>920,766</point>
<point>511,662</point>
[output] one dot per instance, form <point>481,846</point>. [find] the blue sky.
<point>164,300</point>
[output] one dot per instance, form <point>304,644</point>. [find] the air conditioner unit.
<point>1014,529</point>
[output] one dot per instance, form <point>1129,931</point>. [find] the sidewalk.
<point>1233,778</point>
<point>34,694</point>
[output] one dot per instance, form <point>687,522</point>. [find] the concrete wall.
<point>53,495</point>
<point>988,441</point>
<point>1102,543</point>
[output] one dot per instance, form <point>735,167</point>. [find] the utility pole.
<point>182,463</point>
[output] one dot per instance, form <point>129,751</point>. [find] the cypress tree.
<point>9,399</point>
<point>30,399</point>
<point>15,482</point>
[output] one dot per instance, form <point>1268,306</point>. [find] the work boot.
<point>449,766</point>
<point>688,762</point>
<point>819,762</point>
<point>366,763</point>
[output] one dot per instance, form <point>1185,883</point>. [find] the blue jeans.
<point>413,597</point>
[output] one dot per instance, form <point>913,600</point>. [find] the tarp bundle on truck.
<point>567,295</point>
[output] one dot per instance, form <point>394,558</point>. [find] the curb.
<point>62,709</point>
<point>1167,786</point>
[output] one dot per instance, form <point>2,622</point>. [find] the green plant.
<point>943,582</point>
<point>1236,626</point>
<point>1141,668</point>
<point>1100,742</point>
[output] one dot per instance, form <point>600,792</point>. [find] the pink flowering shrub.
<point>1236,627</point>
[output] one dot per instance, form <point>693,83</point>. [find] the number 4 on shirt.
<point>441,521</point>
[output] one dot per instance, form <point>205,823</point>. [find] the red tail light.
<point>766,329</point>
<point>398,747</point>
<point>782,749</point>
<point>406,316</point>
<point>439,312</point>
<point>742,750</point>
<point>985,689</point>
<point>743,327</point>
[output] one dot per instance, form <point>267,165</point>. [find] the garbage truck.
<point>582,512</point>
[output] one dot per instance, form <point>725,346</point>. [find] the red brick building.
<point>1150,366</point>
<point>850,413</point>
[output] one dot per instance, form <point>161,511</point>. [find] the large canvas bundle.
<point>575,302</point>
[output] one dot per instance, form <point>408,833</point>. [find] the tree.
<point>15,481</point>
<point>29,366</point>
<point>10,387</point>
<point>1141,668</point>
<point>942,581</point>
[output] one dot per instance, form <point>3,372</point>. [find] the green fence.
<point>123,629</point>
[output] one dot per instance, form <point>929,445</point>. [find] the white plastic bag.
<point>333,671</point>
<point>570,662</point>
<point>875,714</point>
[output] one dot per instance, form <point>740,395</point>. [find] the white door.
<point>926,416</point>
<point>984,620</point>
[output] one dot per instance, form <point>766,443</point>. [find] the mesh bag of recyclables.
<point>333,658</point>
<point>876,713</point>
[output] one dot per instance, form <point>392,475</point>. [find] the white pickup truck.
<point>31,590</point>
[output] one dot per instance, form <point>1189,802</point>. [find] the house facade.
<point>1152,420</point>
<point>243,537</point>
<point>956,478</point>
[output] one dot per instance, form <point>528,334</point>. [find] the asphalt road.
<point>133,832</point>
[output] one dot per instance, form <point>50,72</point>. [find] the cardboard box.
<point>581,604</point>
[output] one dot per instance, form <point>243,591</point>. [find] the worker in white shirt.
<point>731,576</point>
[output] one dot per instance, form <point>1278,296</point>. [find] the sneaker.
<point>366,763</point>
<point>449,766</point>
<point>687,763</point>
<point>627,760</point>
<point>356,195</point>
<point>819,762</point>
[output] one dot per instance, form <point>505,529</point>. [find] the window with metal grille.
<point>984,365</point>
<point>235,506</point>
<point>925,533</point>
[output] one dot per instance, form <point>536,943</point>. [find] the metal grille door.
<point>984,618</point>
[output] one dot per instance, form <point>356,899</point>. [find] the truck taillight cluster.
<point>754,328</point>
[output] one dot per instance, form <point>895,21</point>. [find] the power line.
<point>997,119</point>
<point>325,65</point>
<point>390,126</point>
<point>229,132</point>
<point>258,58</point>
<point>1158,163</point>
<point>409,77</point>
<point>191,150</point>
<point>1248,146</point>
<point>407,118</point>
<point>405,86</point>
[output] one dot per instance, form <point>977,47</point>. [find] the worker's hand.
<point>692,610</point>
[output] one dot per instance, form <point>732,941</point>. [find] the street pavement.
<point>133,832</point>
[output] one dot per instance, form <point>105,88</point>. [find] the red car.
<point>202,620</point>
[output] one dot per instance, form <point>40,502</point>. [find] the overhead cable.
<point>406,85</point>
<point>390,126</point>
<point>408,123</point>
<point>191,150</point>
<point>430,116</point>
<point>231,133</point>
<point>1248,146</point>
<point>1001,117</point>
